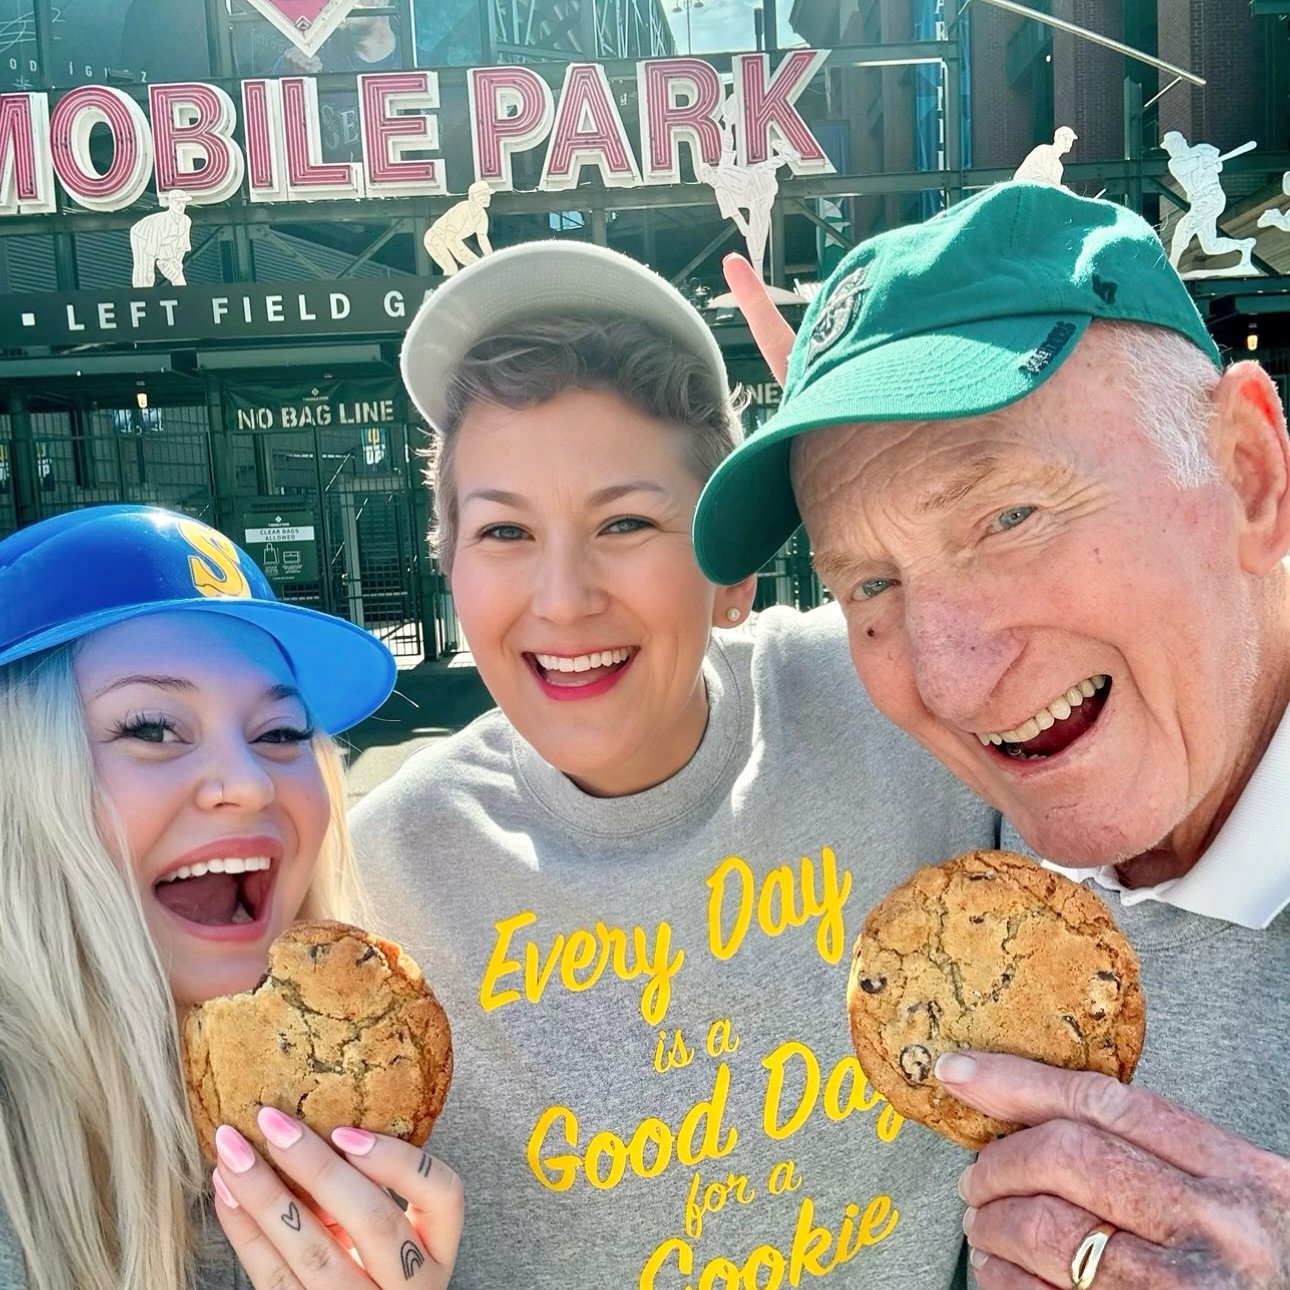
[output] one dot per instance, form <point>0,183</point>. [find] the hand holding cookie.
<point>989,950</point>
<point>341,1040</point>
<point>1187,1205</point>
<point>997,1002</point>
<point>359,1238</point>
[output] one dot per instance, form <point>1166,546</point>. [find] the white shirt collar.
<point>1244,875</point>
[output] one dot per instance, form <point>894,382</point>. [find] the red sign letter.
<point>666,123</point>
<point>193,122</point>
<point>388,133</point>
<point>766,105</point>
<point>308,176</point>
<point>26,176</point>
<point>511,109</point>
<point>70,126</point>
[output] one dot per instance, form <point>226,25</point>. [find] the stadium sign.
<point>194,138</point>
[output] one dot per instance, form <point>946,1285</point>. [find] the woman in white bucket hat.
<point>634,884</point>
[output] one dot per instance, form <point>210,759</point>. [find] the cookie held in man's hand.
<point>342,1030</point>
<point>990,951</point>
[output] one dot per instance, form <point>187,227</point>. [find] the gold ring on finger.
<point>1089,1254</point>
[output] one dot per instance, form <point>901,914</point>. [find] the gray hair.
<point>534,360</point>
<point>1172,383</point>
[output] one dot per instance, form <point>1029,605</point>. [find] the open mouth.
<point>1056,726</point>
<point>218,893</point>
<point>580,671</point>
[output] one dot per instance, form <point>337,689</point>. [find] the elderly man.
<point>1057,529</point>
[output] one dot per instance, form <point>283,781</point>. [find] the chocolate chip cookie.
<point>342,1030</point>
<point>992,951</point>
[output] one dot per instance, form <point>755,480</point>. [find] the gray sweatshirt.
<point>1218,1011</point>
<point>654,1075</point>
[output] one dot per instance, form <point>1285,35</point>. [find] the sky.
<point>720,25</point>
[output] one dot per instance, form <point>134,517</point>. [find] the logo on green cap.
<point>835,317</point>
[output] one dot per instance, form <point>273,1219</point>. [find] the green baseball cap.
<point>954,317</point>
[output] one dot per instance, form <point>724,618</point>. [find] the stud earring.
<point>733,615</point>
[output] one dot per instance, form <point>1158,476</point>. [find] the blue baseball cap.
<point>72,574</point>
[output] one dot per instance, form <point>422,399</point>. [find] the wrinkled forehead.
<point>1058,421</point>
<point>860,487</point>
<point>869,460</point>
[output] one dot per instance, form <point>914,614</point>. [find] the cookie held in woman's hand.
<point>342,1030</point>
<point>990,951</point>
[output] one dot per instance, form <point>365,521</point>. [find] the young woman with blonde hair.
<point>170,799</point>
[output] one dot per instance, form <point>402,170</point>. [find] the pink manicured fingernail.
<point>954,1068</point>
<point>221,1190</point>
<point>281,1130</point>
<point>969,1217</point>
<point>357,1142</point>
<point>978,1259</point>
<point>233,1149</point>
<point>963,1182</point>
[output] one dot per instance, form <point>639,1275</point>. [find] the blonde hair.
<point>99,1169</point>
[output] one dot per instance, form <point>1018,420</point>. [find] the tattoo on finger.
<point>425,1164</point>
<point>411,1258</point>
<point>292,1217</point>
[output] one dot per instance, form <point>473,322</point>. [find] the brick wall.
<point>1088,93</point>
<point>1001,114</point>
<point>1221,41</point>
